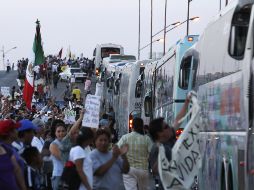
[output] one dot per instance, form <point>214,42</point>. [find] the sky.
<point>81,24</point>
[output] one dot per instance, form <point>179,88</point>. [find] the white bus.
<point>104,50</point>
<point>129,103</point>
<point>225,88</point>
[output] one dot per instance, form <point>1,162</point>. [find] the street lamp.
<point>5,52</point>
<point>157,40</point>
<point>196,18</point>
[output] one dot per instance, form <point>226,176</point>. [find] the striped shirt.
<point>139,149</point>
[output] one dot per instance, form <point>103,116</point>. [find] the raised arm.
<point>76,126</point>
<point>182,113</point>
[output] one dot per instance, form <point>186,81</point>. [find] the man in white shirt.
<point>38,141</point>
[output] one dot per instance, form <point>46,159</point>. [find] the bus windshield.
<point>105,52</point>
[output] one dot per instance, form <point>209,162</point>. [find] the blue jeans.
<point>55,182</point>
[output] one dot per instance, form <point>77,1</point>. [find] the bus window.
<point>148,106</point>
<point>239,31</point>
<point>184,74</point>
<point>117,86</point>
<point>94,52</point>
<point>105,52</point>
<point>138,89</point>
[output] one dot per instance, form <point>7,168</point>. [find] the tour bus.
<point>108,74</point>
<point>128,98</point>
<point>225,91</point>
<point>167,82</point>
<point>104,50</point>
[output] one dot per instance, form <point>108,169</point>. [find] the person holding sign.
<point>162,133</point>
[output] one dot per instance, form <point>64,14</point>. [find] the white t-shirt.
<point>77,153</point>
<point>38,143</point>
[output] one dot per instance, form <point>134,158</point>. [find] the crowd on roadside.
<point>40,150</point>
<point>49,154</point>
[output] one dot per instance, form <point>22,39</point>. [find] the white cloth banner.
<point>92,107</point>
<point>180,172</point>
<point>5,91</point>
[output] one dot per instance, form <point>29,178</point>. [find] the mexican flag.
<point>29,86</point>
<point>37,46</point>
<point>38,59</point>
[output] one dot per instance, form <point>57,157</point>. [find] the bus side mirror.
<point>148,106</point>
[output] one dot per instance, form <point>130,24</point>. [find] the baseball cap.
<point>7,125</point>
<point>38,122</point>
<point>26,125</point>
<point>104,122</point>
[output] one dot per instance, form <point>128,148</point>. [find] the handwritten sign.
<point>5,91</point>
<point>92,107</point>
<point>180,172</point>
<point>69,116</point>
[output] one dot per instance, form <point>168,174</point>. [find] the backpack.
<point>70,179</point>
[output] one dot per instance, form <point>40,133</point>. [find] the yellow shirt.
<point>77,92</point>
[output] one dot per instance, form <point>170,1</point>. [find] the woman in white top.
<point>79,155</point>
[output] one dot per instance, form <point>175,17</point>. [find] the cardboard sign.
<point>5,91</point>
<point>92,107</point>
<point>180,171</point>
<point>69,116</point>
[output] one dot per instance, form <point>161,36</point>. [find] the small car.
<point>76,71</point>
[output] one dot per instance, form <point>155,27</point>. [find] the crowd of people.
<point>40,150</point>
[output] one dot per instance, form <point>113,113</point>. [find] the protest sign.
<point>92,107</point>
<point>179,173</point>
<point>5,91</point>
<point>69,116</point>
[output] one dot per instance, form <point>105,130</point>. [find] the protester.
<point>76,93</point>
<point>108,166</point>
<point>80,157</point>
<point>162,133</point>
<point>55,150</point>
<point>138,154</point>
<point>38,140</point>
<point>25,135</point>
<point>11,176</point>
<point>34,178</point>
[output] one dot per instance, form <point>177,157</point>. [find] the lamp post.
<point>191,19</point>
<point>165,26</point>
<point>138,29</point>
<point>157,40</point>
<point>151,37</point>
<point>188,16</point>
<point>5,52</point>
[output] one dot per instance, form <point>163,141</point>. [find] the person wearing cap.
<point>11,176</point>
<point>38,141</point>
<point>25,134</point>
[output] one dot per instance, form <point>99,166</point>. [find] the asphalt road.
<point>10,79</point>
